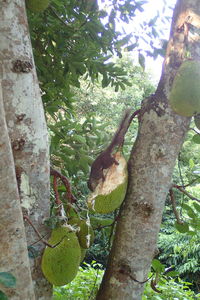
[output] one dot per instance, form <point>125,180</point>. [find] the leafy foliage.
<point>74,43</point>
<point>60,34</point>
<point>87,282</point>
<point>74,39</point>
<point>84,286</point>
<point>171,289</point>
<point>180,250</point>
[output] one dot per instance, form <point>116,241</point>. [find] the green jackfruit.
<point>85,233</point>
<point>197,121</point>
<point>37,5</point>
<point>60,264</point>
<point>185,93</point>
<point>110,193</point>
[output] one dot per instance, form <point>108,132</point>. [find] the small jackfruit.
<point>85,233</point>
<point>37,5</point>
<point>110,192</point>
<point>60,264</point>
<point>185,93</point>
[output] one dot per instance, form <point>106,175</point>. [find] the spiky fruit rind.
<point>197,121</point>
<point>85,233</point>
<point>37,5</point>
<point>60,264</point>
<point>185,93</point>
<point>110,193</point>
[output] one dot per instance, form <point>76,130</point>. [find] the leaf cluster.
<point>71,39</point>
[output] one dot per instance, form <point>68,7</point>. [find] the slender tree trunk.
<point>27,130</point>
<point>13,246</point>
<point>160,136</point>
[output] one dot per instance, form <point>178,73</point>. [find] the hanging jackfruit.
<point>60,264</point>
<point>37,5</point>
<point>185,93</point>
<point>110,192</point>
<point>85,233</point>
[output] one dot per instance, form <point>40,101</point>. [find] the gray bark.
<point>13,246</point>
<point>27,129</point>
<point>160,137</point>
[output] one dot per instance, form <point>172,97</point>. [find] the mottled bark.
<point>13,246</point>
<point>160,136</point>
<point>27,129</point>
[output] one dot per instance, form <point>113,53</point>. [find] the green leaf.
<point>191,163</point>
<point>154,32</point>
<point>192,233</point>
<point>183,228</point>
<point>141,60</point>
<point>131,47</point>
<point>105,82</point>
<point>172,273</point>
<point>80,139</point>
<point>191,213</point>
<point>196,206</point>
<point>122,86</point>
<point>3,296</point>
<point>196,139</point>
<point>157,266</point>
<point>117,87</point>
<point>7,279</point>
<point>153,21</point>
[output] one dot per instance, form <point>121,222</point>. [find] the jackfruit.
<point>37,5</point>
<point>110,192</point>
<point>185,93</point>
<point>60,264</point>
<point>85,233</point>
<point>197,121</point>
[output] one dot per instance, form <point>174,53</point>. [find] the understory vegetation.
<point>85,94</point>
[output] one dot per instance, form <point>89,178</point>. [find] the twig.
<point>39,235</point>
<point>181,189</point>
<point>179,169</point>
<point>65,181</point>
<point>57,16</point>
<point>36,231</point>
<point>171,193</point>
<point>136,113</point>
<point>188,184</point>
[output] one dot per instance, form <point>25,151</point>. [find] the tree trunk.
<point>13,246</point>
<point>27,130</point>
<point>160,136</point>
